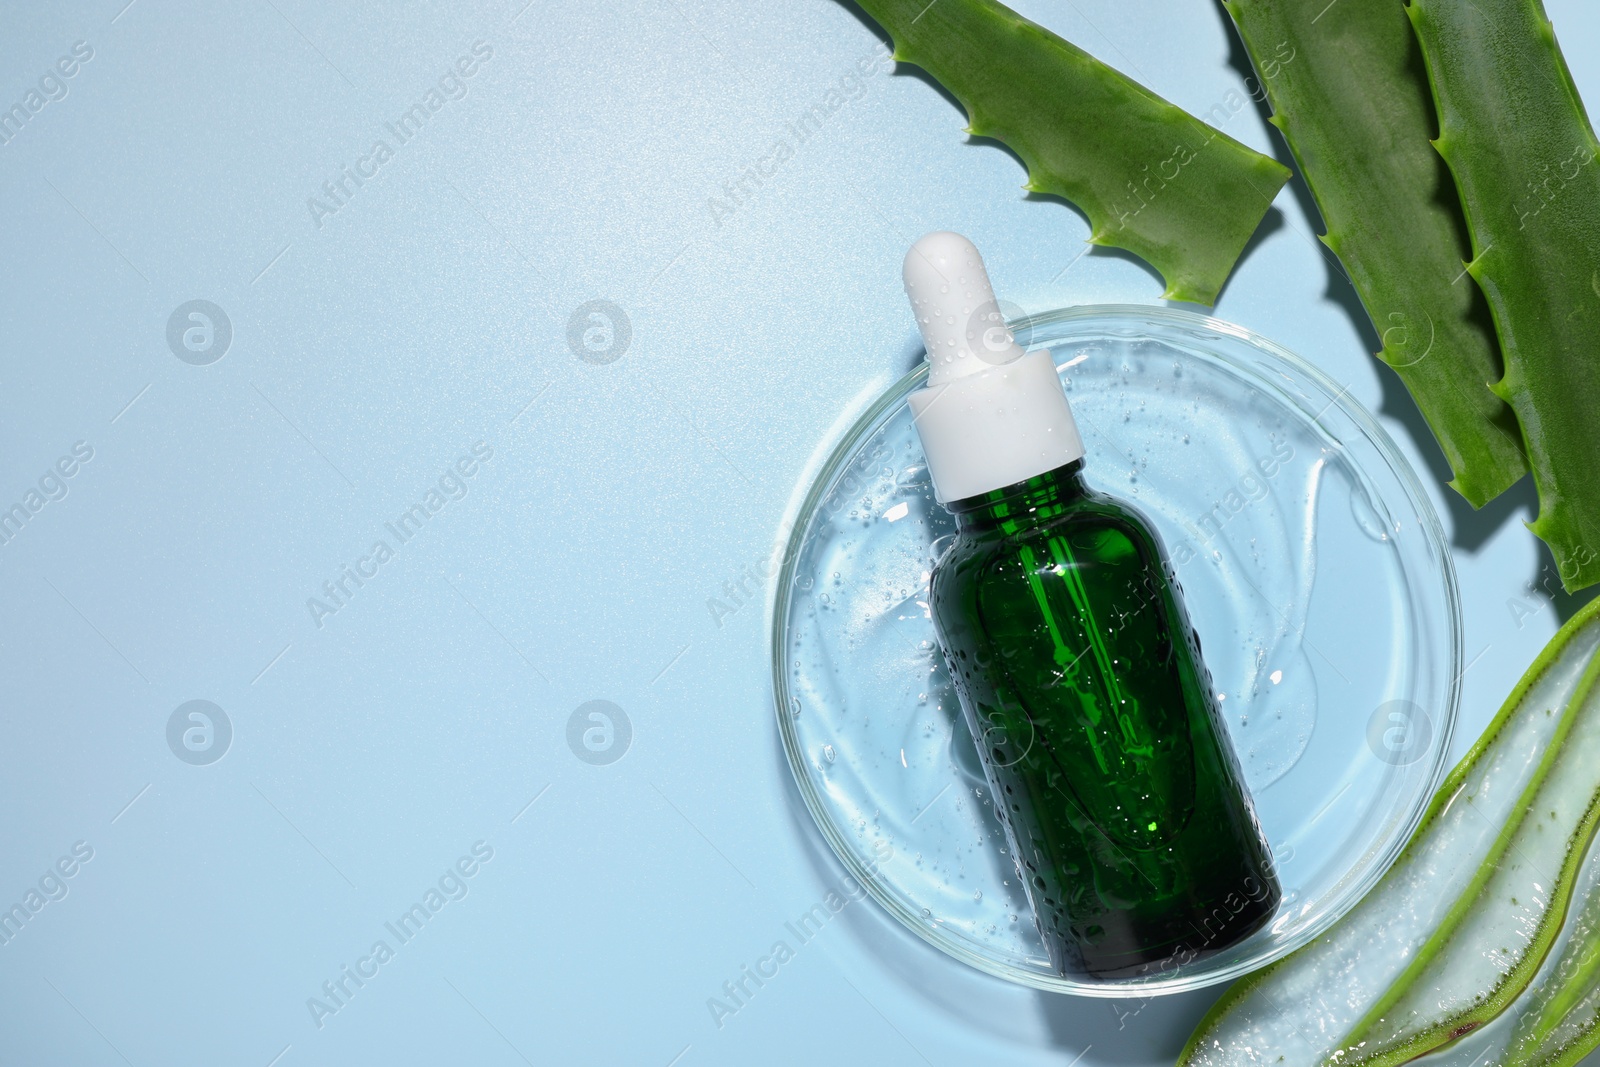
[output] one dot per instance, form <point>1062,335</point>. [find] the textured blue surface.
<point>377,337</point>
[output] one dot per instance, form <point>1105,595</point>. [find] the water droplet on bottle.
<point>828,753</point>
<point>794,707</point>
<point>977,895</point>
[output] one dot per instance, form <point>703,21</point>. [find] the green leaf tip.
<point>1151,178</point>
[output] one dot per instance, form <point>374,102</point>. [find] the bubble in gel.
<point>1366,515</point>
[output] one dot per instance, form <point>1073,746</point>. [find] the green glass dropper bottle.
<point>1077,668</point>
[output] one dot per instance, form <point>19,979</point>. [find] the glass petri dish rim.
<point>1195,326</point>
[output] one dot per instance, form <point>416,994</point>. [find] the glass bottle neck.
<point>1037,500</point>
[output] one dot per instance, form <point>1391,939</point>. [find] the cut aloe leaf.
<point>1459,924</point>
<point>1152,178</point>
<point>1559,1017</point>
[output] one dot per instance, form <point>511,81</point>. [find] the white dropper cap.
<point>991,414</point>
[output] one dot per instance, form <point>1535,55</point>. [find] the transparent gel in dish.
<point>1313,567</point>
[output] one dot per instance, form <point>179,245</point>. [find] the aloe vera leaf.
<point>1349,92</point>
<point>1152,178</point>
<point>1514,133</point>
<point>1515,913</point>
<point>1448,888</point>
<point>1559,1020</point>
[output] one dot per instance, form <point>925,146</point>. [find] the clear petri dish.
<point>1313,567</point>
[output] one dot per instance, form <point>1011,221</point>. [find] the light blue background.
<point>429,313</point>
